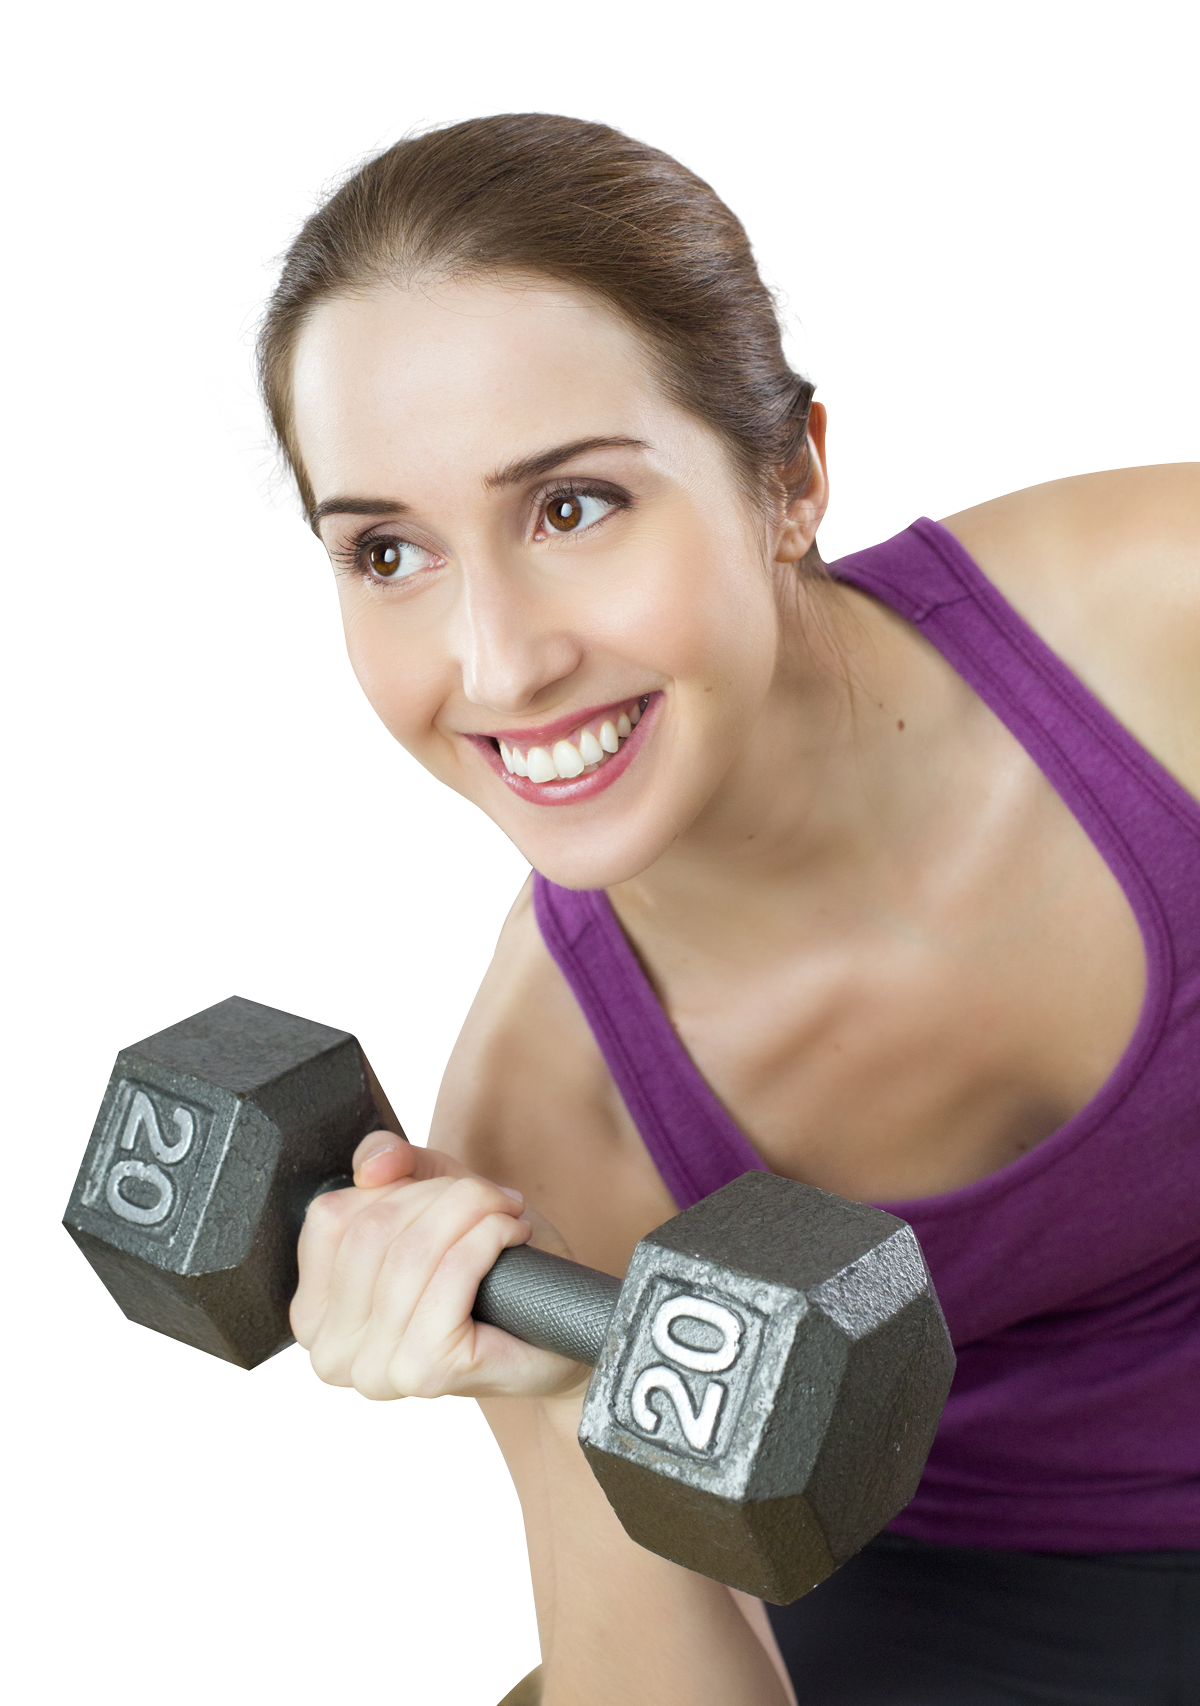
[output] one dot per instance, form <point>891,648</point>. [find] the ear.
<point>804,512</point>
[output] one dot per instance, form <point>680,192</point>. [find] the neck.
<point>840,781</point>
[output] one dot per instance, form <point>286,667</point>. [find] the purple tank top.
<point>1070,1278</point>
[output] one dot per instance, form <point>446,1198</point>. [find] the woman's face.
<point>554,594</point>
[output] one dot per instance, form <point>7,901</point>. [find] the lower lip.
<point>581,788</point>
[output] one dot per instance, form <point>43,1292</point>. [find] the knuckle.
<point>364,1378</point>
<point>327,1206</point>
<point>379,1379</point>
<point>371,1227</point>
<point>409,1377</point>
<point>475,1194</point>
<point>327,1364</point>
<point>475,1251</point>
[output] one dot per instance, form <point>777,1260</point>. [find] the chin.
<point>596,855</point>
<point>580,869</point>
<point>607,825</point>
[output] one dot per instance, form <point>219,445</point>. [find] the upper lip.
<point>545,734</point>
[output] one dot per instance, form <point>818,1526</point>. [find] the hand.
<point>389,1271</point>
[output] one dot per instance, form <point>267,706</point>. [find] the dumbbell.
<point>768,1376</point>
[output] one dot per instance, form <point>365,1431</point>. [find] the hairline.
<point>414,276</point>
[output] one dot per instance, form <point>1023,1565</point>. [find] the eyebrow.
<point>512,474</point>
<point>531,467</point>
<point>354,506</point>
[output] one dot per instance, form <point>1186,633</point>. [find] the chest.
<point>901,1038</point>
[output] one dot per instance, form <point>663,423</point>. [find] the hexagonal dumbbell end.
<point>770,1384</point>
<point>212,1138</point>
<point>769,1375</point>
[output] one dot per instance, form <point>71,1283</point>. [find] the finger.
<point>436,1350</point>
<point>387,1255</point>
<point>414,1258</point>
<point>396,1165</point>
<point>475,1359</point>
<point>353,1236</point>
<point>320,1235</point>
<point>322,1238</point>
<point>547,1236</point>
<point>382,1158</point>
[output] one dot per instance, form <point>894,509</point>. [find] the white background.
<point>983,220</point>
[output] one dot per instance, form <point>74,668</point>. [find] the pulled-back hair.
<point>535,193</point>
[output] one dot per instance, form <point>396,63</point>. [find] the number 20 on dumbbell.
<point>768,1376</point>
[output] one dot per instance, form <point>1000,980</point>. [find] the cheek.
<point>713,614</point>
<point>400,679</point>
<point>688,596</point>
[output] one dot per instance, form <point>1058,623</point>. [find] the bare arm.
<point>388,1275</point>
<point>617,1622</point>
<point>528,1102</point>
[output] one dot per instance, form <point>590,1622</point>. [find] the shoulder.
<point>528,1101</point>
<point>1106,568</point>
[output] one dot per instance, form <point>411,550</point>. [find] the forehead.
<point>464,374</point>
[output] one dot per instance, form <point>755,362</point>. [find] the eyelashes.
<point>569,508</point>
<point>579,492</point>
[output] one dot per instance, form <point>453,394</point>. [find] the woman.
<point>885,873</point>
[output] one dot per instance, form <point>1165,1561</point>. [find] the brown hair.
<point>536,193</point>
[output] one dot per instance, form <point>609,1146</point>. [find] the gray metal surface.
<point>770,1385</point>
<point>768,1378</point>
<point>212,1137</point>
<point>550,1302</point>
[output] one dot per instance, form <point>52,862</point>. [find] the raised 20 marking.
<point>142,1118</point>
<point>697,1425</point>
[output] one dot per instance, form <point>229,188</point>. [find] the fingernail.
<point>515,1195</point>
<point>373,1154</point>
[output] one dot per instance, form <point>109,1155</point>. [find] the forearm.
<point>617,1622</point>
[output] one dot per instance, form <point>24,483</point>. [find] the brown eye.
<point>564,513</point>
<point>575,512</point>
<point>385,560</point>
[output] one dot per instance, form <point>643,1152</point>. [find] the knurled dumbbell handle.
<point>543,1299</point>
<point>549,1302</point>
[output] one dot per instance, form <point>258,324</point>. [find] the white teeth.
<point>567,760</point>
<point>541,765</point>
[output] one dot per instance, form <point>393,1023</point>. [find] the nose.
<point>511,643</point>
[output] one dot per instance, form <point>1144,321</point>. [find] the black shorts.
<point>909,1624</point>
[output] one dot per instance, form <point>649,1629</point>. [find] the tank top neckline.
<point>966,580</point>
<point>1070,1278</point>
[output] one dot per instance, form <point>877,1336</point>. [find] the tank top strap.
<point>1069,1276</point>
<point>1143,822</point>
<point>692,1141</point>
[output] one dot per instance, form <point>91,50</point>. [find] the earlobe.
<point>794,539</point>
<point>798,528</point>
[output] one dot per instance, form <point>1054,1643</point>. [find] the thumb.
<point>382,1158</point>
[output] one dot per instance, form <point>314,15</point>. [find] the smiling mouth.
<point>589,747</point>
